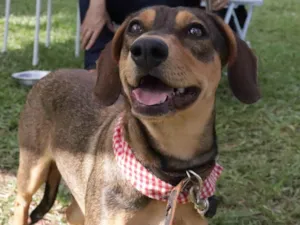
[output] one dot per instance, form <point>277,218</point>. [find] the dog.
<point>148,116</point>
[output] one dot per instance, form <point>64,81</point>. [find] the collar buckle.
<point>201,205</point>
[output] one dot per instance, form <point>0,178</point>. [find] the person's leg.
<point>91,55</point>
<point>119,10</point>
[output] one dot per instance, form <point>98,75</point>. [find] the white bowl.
<point>30,77</point>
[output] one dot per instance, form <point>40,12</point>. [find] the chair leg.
<point>36,36</point>
<point>237,25</point>
<point>7,14</point>
<point>229,13</point>
<point>77,39</point>
<point>49,18</point>
<point>247,22</point>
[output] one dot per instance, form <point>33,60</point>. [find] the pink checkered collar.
<point>144,181</point>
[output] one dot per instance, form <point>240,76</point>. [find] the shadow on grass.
<point>12,95</point>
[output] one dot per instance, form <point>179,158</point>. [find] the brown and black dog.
<point>160,72</point>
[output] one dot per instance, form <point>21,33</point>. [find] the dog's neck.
<point>174,145</point>
<point>181,138</point>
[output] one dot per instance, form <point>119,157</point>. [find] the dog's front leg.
<point>98,211</point>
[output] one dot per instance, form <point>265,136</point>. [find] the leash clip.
<point>201,205</point>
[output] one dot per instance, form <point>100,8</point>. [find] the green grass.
<point>259,144</point>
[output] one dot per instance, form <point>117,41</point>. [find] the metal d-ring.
<point>201,205</point>
<point>199,179</point>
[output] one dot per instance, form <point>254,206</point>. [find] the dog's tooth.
<point>181,90</point>
<point>162,101</point>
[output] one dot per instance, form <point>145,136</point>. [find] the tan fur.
<point>156,209</point>
<point>148,16</point>
<point>74,214</point>
<point>67,124</point>
<point>183,18</point>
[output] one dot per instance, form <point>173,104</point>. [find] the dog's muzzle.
<point>148,53</point>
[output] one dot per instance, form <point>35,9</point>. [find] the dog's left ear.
<point>242,65</point>
<point>108,85</point>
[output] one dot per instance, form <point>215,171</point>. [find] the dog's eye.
<point>135,27</point>
<point>196,30</point>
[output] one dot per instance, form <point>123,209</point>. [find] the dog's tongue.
<point>150,97</point>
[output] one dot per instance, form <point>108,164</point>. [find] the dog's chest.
<point>118,192</point>
<point>130,207</point>
<point>154,214</point>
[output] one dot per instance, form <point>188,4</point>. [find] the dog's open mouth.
<point>153,97</point>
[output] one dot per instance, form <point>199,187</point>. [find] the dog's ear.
<point>108,85</point>
<point>241,63</point>
<point>118,39</point>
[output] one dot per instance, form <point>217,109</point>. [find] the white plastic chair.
<point>241,31</point>
<point>35,57</point>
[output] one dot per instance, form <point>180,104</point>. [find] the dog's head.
<point>170,61</point>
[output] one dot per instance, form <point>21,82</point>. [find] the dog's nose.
<point>149,52</point>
